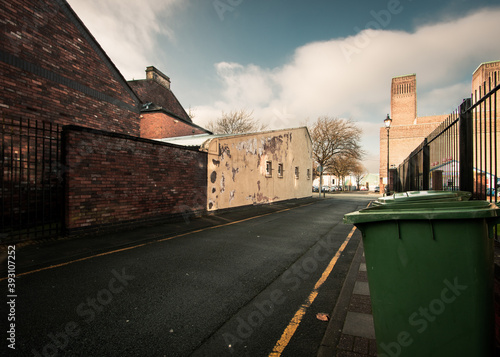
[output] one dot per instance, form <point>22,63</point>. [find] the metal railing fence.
<point>461,153</point>
<point>31,197</point>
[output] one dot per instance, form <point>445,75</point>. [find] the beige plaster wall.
<point>237,168</point>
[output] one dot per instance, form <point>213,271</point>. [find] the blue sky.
<point>292,61</point>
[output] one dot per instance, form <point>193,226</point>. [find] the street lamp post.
<point>387,122</point>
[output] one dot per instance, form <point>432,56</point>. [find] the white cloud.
<point>250,85</point>
<point>323,78</point>
<point>127,29</point>
<point>443,100</point>
<point>344,77</point>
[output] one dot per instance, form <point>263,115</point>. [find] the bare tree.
<point>191,113</point>
<point>235,122</point>
<point>359,172</point>
<point>342,166</point>
<point>333,138</point>
<point>345,165</point>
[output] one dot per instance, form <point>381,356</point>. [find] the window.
<point>269,169</point>
<point>297,172</point>
<point>280,170</point>
<point>308,174</point>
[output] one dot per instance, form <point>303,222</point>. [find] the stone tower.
<point>482,74</point>
<point>407,130</point>
<point>404,100</point>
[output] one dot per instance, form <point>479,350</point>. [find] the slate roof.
<point>150,91</point>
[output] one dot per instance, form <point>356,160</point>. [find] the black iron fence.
<point>31,180</point>
<point>461,153</point>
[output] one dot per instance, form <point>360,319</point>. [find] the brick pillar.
<point>479,186</point>
<point>437,179</point>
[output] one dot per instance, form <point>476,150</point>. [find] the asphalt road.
<point>225,290</point>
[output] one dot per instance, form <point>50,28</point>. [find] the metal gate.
<point>31,180</point>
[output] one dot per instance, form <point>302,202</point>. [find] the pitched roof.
<point>150,91</point>
<point>71,14</point>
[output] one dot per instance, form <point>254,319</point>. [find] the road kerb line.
<point>152,242</point>
<point>297,318</point>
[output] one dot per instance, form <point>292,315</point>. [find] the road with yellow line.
<point>248,287</point>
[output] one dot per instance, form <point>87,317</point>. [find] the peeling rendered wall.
<point>237,168</point>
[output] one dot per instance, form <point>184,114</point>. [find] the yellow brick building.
<point>407,130</point>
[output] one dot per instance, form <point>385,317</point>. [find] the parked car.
<point>377,189</point>
<point>326,189</point>
<point>315,189</point>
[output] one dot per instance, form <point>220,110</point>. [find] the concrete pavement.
<point>351,332</point>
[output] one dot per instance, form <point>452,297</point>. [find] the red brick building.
<point>52,69</point>
<point>162,116</point>
<point>71,129</point>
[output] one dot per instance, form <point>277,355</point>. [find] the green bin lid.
<point>429,210</point>
<point>421,196</point>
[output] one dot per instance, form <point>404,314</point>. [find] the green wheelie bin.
<point>423,196</point>
<point>430,273</point>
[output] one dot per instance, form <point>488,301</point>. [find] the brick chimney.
<point>154,74</point>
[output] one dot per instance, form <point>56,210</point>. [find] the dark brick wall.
<point>115,178</point>
<point>51,68</point>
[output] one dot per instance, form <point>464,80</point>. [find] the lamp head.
<point>388,121</point>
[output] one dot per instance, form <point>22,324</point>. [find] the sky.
<point>290,62</point>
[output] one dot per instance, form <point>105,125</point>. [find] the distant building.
<point>368,182</point>
<point>407,129</point>
<point>327,180</point>
<point>254,168</point>
<point>162,115</point>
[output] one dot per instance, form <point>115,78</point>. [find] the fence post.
<point>426,166</point>
<point>466,147</point>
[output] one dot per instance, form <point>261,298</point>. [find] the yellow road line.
<point>152,242</point>
<point>297,318</point>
